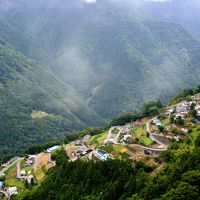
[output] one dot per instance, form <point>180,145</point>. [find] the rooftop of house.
<point>183,104</point>
<point>86,138</point>
<point>138,123</point>
<point>101,154</point>
<point>101,151</point>
<point>171,110</point>
<point>157,122</point>
<point>49,150</point>
<point>23,172</point>
<point>128,136</point>
<point>2,174</point>
<point>197,107</point>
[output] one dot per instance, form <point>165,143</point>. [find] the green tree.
<point>179,121</point>
<point>193,113</point>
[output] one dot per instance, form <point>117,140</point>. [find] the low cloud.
<point>90,1</point>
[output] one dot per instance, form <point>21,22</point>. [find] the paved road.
<point>116,139</point>
<point>109,134</point>
<point>10,165</point>
<point>4,193</point>
<point>148,125</point>
<point>154,136</point>
<point>19,173</point>
<point>154,149</point>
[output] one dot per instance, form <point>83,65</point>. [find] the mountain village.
<point>140,140</point>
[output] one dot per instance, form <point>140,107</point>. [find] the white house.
<point>157,122</point>
<point>23,173</point>
<point>12,190</point>
<point>127,138</point>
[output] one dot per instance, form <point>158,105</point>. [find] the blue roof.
<point>1,184</point>
<point>102,154</point>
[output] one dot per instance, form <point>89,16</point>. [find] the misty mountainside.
<point>114,57</point>
<point>74,64</point>
<point>185,12</point>
<point>36,106</point>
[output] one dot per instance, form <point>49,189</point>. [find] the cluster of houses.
<point>183,108</point>
<point>22,175</point>
<point>81,152</point>
<point>8,191</point>
<point>30,160</point>
<point>197,108</point>
<point>10,162</point>
<point>84,151</point>
<point>54,148</point>
<point>84,140</point>
<point>126,134</point>
<point>123,135</point>
<point>44,159</point>
<point>113,136</point>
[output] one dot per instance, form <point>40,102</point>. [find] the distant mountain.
<point>185,12</point>
<point>115,57</point>
<point>26,86</point>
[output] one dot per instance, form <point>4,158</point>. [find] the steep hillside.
<point>114,57</point>
<point>132,170</point>
<point>26,86</point>
<point>185,12</point>
<point>119,179</point>
<point>22,42</point>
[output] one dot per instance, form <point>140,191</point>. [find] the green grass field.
<point>146,141</point>
<point>28,168</point>
<point>11,179</point>
<point>118,148</point>
<point>38,114</point>
<point>165,122</point>
<point>98,139</point>
<point>40,174</point>
<point>141,134</point>
<point>139,131</point>
<point>118,151</point>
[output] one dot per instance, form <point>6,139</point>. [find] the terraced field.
<point>98,139</point>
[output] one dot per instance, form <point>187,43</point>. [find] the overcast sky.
<point>90,1</point>
<point>94,1</point>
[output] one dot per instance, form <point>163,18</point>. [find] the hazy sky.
<point>94,1</point>
<point>90,1</point>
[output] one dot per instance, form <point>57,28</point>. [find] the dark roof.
<point>102,151</point>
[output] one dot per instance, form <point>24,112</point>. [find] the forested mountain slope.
<point>114,57</point>
<point>89,61</point>
<point>26,86</point>
<point>185,12</point>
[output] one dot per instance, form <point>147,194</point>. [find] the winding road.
<point>162,140</point>
<point>10,165</point>
<point>4,193</point>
